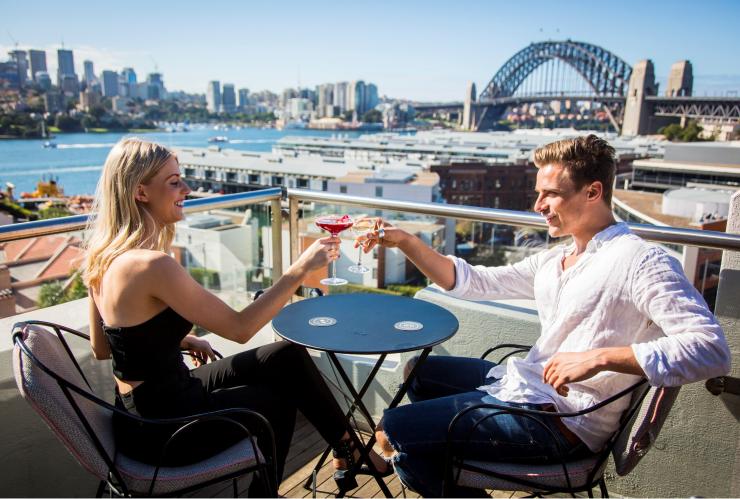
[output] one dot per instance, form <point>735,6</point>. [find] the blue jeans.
<point>442,387</point>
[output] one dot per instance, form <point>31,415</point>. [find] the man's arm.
<point>454,275</point>
<point>694,346</point>
<point>571,367</point>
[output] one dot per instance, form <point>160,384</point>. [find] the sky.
<point>420,50</point>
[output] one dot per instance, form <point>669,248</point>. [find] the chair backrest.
<point>643,427</point>
<point>47,398</point>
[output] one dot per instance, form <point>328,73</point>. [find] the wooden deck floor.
<point>305,451</point>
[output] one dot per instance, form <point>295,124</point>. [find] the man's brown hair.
<point>586,159</point>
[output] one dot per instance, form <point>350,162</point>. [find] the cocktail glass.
<point>361,227</point>
<point>334,224</point>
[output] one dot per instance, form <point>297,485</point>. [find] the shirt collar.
<point>611,232</point>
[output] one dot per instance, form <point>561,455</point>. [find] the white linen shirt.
<point>622,291</point>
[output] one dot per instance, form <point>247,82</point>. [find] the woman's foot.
<point>347,454</point>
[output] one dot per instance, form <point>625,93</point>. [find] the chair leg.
<point>101,489</point>
<point>590,492</point>
<point>602,486</point>
<point>236,489</point>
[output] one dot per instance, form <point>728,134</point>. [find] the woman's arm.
<point>98,341</point>
<point>169,282</point>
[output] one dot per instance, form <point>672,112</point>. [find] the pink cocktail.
<point>334,224</point>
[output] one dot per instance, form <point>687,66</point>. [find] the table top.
<point>366,323</point>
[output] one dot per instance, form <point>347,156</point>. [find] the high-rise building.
<point>213,96</point>
<point>228,98</point>
<point>43,80</point>
<point>371,96</point>
<point>340,95</point>
<point>325,97</point>
<point>89,72</point>
<point>65,64</point>
<point>155,87</point>
<point>127,84</point>
<point>357,97</point>
<point>19,56</point>
<point>110,83</point>
<point>243,98</point>
<point>38,62</point>
<point>69,85</point>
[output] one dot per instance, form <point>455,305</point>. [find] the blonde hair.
<point>120,223</point>
<point>587,159</point>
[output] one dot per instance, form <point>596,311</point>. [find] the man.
<point>613,309</point>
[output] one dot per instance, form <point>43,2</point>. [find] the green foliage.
<point>405,289</point>
<point>372,116</point>
<point>67,123</point>
<point>20,125</point>
<point>54,211</point>
<point>206,277</point>
<point>356,288</point>
<point>77,289</point>
<point>676,133</point>
<point>16,210</point>
<point>53,293</point>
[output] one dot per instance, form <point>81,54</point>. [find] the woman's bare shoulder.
<point>135,261</point>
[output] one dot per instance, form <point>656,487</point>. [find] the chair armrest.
<point>302,291</point>
<point>215,352</point>
<point>515,349</point>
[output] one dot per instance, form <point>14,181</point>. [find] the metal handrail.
<point>274,195</point>
<point>689,237</point>
<point>24,230</point>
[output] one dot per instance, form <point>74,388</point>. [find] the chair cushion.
<point>44,395</point>
<point>640,435</point>
<point>138,475</point>
<point>546,476</point>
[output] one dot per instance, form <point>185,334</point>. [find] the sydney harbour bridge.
<point>578,71</point>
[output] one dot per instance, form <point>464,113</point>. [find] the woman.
<point>143,305</point>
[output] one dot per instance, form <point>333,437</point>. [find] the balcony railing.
<point>668,235</point>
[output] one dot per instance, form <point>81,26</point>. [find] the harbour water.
<point>78,158</point>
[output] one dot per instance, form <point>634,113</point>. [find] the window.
<point>343,189</point>
<point>302,183</point>
<point>254,179</point>
<point>324,185</point>
<point>378,192</point>
<point>277,180</point>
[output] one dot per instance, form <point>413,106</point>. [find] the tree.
<point>51,293</point>
<point>372,116</point>
<point>676,133</point>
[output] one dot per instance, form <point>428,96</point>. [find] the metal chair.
<point>627,445</point>
<point>52,382</point>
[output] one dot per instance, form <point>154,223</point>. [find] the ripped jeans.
<point>442,387</point>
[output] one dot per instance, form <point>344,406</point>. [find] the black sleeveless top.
<point>150,350</point>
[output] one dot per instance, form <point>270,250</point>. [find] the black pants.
<point>274,380</point>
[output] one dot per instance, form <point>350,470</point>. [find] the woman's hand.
<point>384,234</point>
<point>319,254</point>
<point>199,349</point>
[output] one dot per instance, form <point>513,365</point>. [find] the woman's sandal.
<point>345,478</point>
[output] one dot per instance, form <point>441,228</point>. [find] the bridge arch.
<point>605,73</point>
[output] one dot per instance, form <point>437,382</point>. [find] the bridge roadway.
<point>727,108</point>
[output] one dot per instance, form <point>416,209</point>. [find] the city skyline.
<point>290,44</point>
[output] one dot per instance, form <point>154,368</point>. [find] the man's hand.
<point>570,367</point>
<point>200,350</point>
<point>384,234</point>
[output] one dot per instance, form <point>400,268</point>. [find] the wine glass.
<point>360,228</point>
<point>334,224</point>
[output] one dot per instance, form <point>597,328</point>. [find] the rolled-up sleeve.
<point>694,346</point>
<point>494,283</point>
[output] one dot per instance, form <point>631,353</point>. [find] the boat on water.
<point>218,138</point>
<point>50,145</point>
